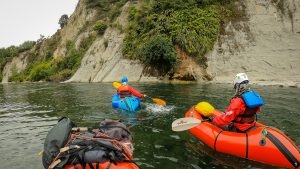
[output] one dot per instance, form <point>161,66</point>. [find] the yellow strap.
<point>79,129</point>
<point>55,163</point>
<point>64,149</point>
<point>41,153</point>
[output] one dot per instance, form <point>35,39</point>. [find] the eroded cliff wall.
<point>265,44</point>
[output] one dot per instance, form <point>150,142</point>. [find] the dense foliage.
<point>6,54</point>
<point>192,25</point>
<point>49,69</point>
<point>159,49</point>
<point>107,8</point>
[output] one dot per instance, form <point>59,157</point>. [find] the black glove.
<point>210,118</point>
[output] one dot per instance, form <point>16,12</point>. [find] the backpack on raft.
<point>252,99</point>
<point>110,142</point>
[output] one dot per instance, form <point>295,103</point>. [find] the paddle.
<point>185,123</point>
<point>156,100</point>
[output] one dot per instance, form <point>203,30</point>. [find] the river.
<point>28,112</point>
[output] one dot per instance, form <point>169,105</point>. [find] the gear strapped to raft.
<point>66,144</point>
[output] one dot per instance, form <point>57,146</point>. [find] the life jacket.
<point>253,102</point>
<point>124,91</point>
<point>88,147</point>
<point>249,116</point>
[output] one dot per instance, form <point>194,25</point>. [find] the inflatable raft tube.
<point>262,143</point>
<point>105,165</point>
<point>130,104</point>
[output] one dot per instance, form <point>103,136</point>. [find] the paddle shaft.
<point>156,100</point>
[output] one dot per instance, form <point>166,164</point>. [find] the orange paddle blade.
<point>159,101</point>
<point>117,85</point>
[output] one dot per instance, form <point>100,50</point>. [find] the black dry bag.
<point>56,138</point>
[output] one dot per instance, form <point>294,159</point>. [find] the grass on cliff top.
<point>107,8</point>
<point>192,26</point>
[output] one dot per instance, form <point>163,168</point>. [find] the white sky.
<point>22,20</point>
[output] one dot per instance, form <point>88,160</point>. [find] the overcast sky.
<point>22,20</point>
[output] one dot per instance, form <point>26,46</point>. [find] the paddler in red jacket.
<point>127,91</point>
<point>238,114</point>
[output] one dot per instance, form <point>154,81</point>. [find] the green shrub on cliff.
<point>42,71</point>
<point>159,49</point>
<point>100,27</point>
<point>191,25</point>
<point>106,8</point>
<point>62,75</point>
<point>14,74</point>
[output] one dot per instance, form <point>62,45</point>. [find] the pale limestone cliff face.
<point>265,45</point>
<point>19,63</point>
<point>71,31</point>
<point>104,62</point>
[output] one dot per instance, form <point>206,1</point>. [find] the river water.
<point>28,112</point>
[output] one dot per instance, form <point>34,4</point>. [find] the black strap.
<point>83,165</point>
<point>91,165</point>
<point>111,147</point>
<point>215,142</point>
<point>247,144</point>
<point>106,127</point>
<point>75,166</point>
<point>125,101</point>
<point>108,165</point>
<point>242,122</point>
<point>246,115</point>
<point>125,94</point>
<point>288,155</point>
<point>97,166</point>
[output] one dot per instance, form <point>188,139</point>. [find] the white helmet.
<point>239,78</point>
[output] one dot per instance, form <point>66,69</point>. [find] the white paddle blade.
<point>185,123</point>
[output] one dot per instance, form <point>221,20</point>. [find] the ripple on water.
<point>167,158</point>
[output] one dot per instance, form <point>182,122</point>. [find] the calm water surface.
<point>28,112</point>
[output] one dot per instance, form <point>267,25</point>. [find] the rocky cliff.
<point>264,43</point>
<point>103,62</point>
